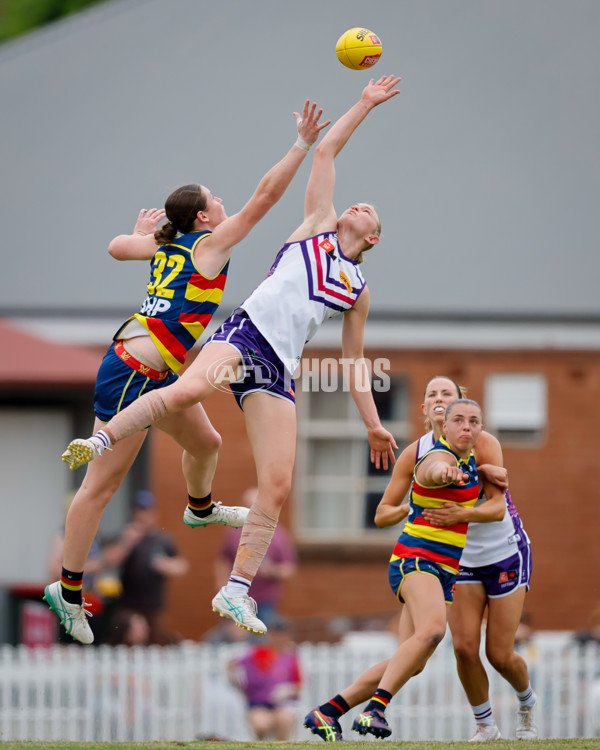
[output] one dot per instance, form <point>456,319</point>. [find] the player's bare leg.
<point>271,427</point>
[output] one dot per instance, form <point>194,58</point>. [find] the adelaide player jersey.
<point>420,537</point>
<point>181,300</point>
<point>489,542</point>
<point>309,282</point>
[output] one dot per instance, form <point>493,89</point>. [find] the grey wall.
<point>485,169</point>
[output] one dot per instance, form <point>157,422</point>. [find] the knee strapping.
<point>142,413</point>
<point>257,533</point>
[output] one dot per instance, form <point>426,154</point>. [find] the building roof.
<point>467,332</point>
<point>390,330</point>
<point>31,361</point>
<point>484,170</point>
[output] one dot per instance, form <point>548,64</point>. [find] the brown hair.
<point>462,401</point>
<point>181,207</point>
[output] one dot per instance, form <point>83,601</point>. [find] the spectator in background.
<point>146,558</point>
<point>226,631</point>
<point>129,629</point>
<point>269,677</point>
<point>279,564</point>
<point>590,634</point>
<point>524,632</point>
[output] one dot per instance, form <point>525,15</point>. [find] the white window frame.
<point>516,407</point>
<point>355,486</point>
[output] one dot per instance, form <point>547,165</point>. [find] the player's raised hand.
<point>376,92</point>
<point>308,122</point>
<point>148,220</point>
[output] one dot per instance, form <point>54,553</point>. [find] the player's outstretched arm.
<point>381,442</point>
<point>272,186</point>
<point>438,469</point>
<point>319,213</point>
<point>374,93</point>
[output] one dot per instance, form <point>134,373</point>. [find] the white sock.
<point>237,586</point>
<point>101,440</point>
<point>527,697</point>
<point>483,714</point>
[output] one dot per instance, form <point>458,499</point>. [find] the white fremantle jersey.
<point>309,282</point>
<point>491,542</point>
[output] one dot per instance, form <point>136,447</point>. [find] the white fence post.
<point>181,693</point>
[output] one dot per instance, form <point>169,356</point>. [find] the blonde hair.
<point>359,258</point>
<point>460,389</point>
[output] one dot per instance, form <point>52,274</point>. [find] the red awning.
<point>28,360</point>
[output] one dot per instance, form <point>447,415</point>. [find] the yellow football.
<point>358,48</point>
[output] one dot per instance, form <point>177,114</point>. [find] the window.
<point>516,408</point>
<point>337,487</point>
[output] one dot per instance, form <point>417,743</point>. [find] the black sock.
<point>335,707</point>
<point>201,506</point>
<point>379,701</point>
<point>71,586</point>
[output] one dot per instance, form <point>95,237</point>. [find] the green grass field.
<point>587,744</point>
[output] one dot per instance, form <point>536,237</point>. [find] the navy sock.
<point>201,506</point>
<point>335,707</point>
<point>71,585</point>
<point>379,701</point>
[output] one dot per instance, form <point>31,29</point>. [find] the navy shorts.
<point>501,578</point>
<point>399,569</point>
<point>118,385</point>
<point>262,368</point>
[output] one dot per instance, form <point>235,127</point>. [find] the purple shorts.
<point>501,578</point>
<point>263,370</point>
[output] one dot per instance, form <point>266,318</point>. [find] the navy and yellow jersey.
<point>421,538</point>
<point>181,300</point>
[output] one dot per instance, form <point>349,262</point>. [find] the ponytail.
<point>181,207</point>
<point>165,234</point>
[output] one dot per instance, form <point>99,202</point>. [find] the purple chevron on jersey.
<point>327,283</point>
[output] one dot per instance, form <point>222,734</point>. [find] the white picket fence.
<point>181,693</point>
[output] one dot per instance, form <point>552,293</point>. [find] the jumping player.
<point>315,276</point>
<point>189,264</point>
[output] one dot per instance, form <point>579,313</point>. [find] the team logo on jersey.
<point>346,282</point>
<point>327,245</point>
